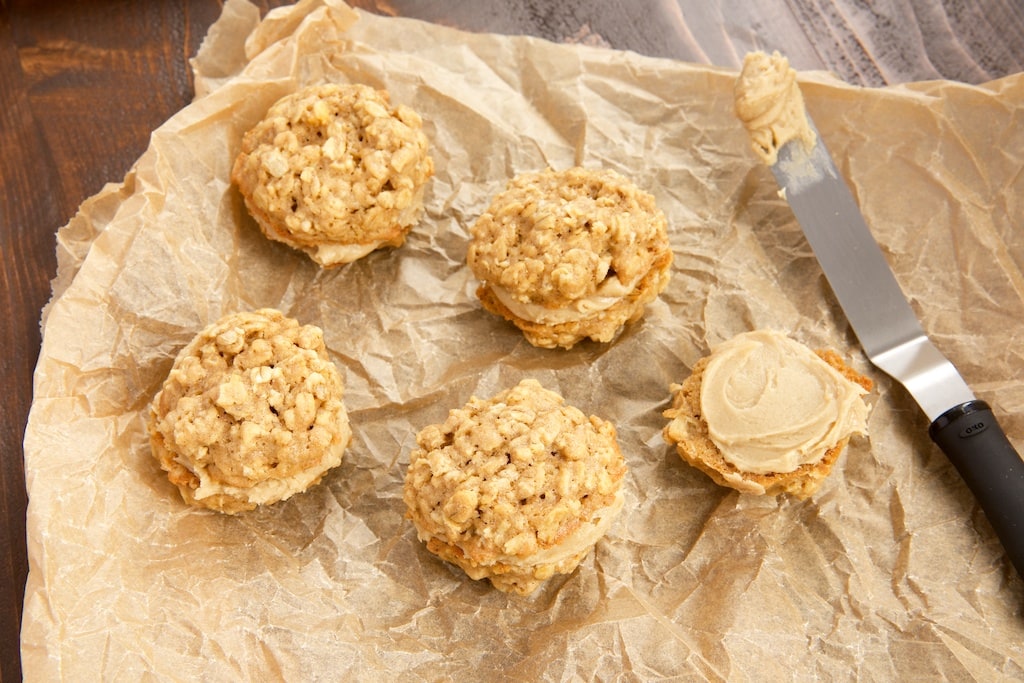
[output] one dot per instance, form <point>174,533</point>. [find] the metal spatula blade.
<point>887,328</point>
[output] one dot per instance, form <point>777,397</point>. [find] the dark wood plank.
<point>27,260</point>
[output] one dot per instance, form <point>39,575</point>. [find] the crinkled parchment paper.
<point>890,571</point>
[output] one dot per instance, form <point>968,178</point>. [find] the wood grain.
<point>84,84</point>
<point>864,43</point>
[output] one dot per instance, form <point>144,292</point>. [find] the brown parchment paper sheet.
<point>890,571</point>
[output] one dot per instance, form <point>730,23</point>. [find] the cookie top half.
<point>555,237</point>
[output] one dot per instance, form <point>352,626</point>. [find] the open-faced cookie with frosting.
<point>570,255</point>
<point>336,171</point>
<point>764,413</point>
<point>515,489</point>
<point>251,413</point>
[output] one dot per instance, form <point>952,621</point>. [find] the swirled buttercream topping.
<point>769,103</point>
<point>771,404</point>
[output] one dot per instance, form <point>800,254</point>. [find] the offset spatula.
<point>963,427</point>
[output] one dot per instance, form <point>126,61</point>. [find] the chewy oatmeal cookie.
<point>251,413</point>
<point>570,255</point>
<point>335,171</point>
<point>764,414</point>
<point>516,488</point>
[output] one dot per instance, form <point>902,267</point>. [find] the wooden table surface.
<point>72,119</point>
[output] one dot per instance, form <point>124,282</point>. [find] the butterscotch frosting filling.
<point>608,293</point>
<point>769,103</point>
<point>344,253</point>
<point>771,404</point>
<point>269,490</point>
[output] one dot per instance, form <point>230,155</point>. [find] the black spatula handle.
<point>977,446</point>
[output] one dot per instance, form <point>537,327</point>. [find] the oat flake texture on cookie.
<point>515,489</point>
<point>336,171</point>
<point>570,255</point>
<point>251,413</point>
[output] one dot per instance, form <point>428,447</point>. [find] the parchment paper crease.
<point>890,572</point>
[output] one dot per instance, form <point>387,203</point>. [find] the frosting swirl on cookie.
<point>771,404</point>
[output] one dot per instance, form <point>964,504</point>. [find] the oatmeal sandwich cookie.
<point>570,255</point>
<point>765,414</point>
<point>251,413</point>
<point>335,171</point>
<point>516,488</point>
